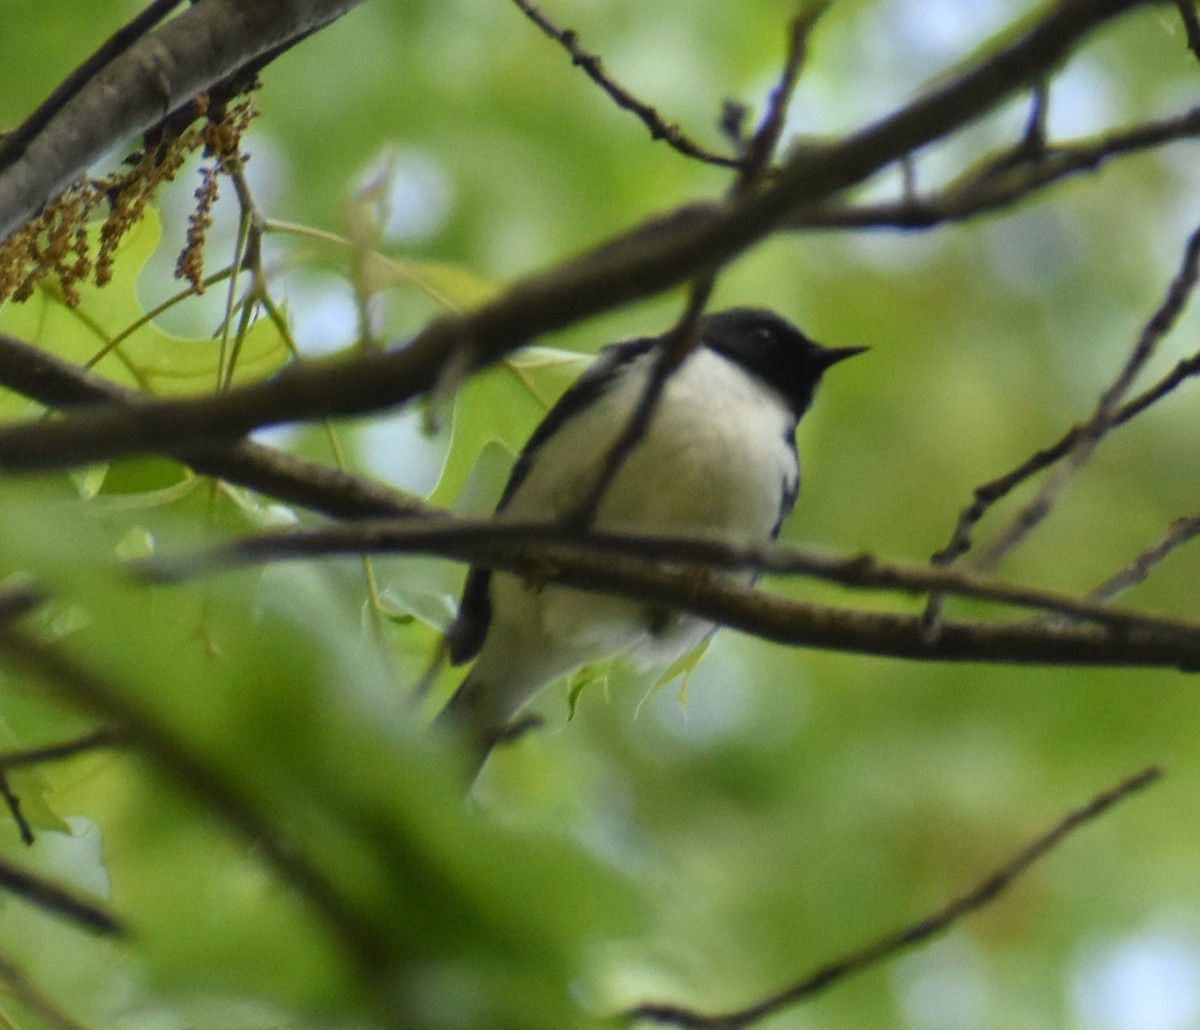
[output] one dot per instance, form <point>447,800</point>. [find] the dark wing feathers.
<point>466,634</point>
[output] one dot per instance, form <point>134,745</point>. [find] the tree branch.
<point>645,261</point>
<point>633,567</point>
<point>57,900</point>
<point>1081,438</point>
<point>105,737</point>
<point>903,940</point>
<point>660,129</point>
<point>56,383</point>
<point>1001,180</point>
<point>1180,532</point>
<point>13,144</point>
<point>158,73</point>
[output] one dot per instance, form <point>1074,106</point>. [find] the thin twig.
<point>105,737</point>
<point>13,801</point>
<point>683,337</point>
<point>1074,448</point>
<point>659,128</point>
<point>674,348</point>
<point>1180,532</point>
<point>1001,180</point>
<point>1094,430</point>
<point>1033,139</point>
<point>903,940</point>
<point>761,149</point>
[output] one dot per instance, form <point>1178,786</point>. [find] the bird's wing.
<point>466,634</point>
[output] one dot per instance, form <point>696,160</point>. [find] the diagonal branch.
<point>1002,180</point>
<point>645,261</point>
<point>58,900</point>
<point>14,143</point>
<point>902,940</point>
<point>1137,571</point>
<point>133,91</point>
<point>660,128</point>
<point>1081,439</point>
<point>105,737</point>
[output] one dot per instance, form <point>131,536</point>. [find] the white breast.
<point>717,461</point>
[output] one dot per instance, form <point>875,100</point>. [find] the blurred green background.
<point>707,849</point>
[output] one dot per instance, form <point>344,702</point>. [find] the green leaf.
<point>150,359</point>
<point>502,405</point>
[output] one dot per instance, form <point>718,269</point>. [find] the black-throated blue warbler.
<point>717,460</point>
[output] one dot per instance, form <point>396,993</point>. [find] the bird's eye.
<point>762,335</point>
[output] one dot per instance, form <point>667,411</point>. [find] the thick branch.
<point>56,383</point>
<point>645,261</point>
<point>205,44</point>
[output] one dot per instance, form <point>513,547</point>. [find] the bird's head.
<point>774,350</point>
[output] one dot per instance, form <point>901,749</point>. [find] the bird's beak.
<point>832,355</point>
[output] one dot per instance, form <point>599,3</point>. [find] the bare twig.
<point>1094,430</point>
<point>529,544</point>
<point>659,128</point>
<point>1079,442</point>
<point>683,337</point>
<point>1033,139</point>
<point>761,148</point>
<point>649,259</point>
<point>1180,532</point>
<point>1001,180</point>
<point>633,567</point>
<point>674,348</point>
<point>903,940</point>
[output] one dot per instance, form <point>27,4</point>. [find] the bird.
<point>716,461</point>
